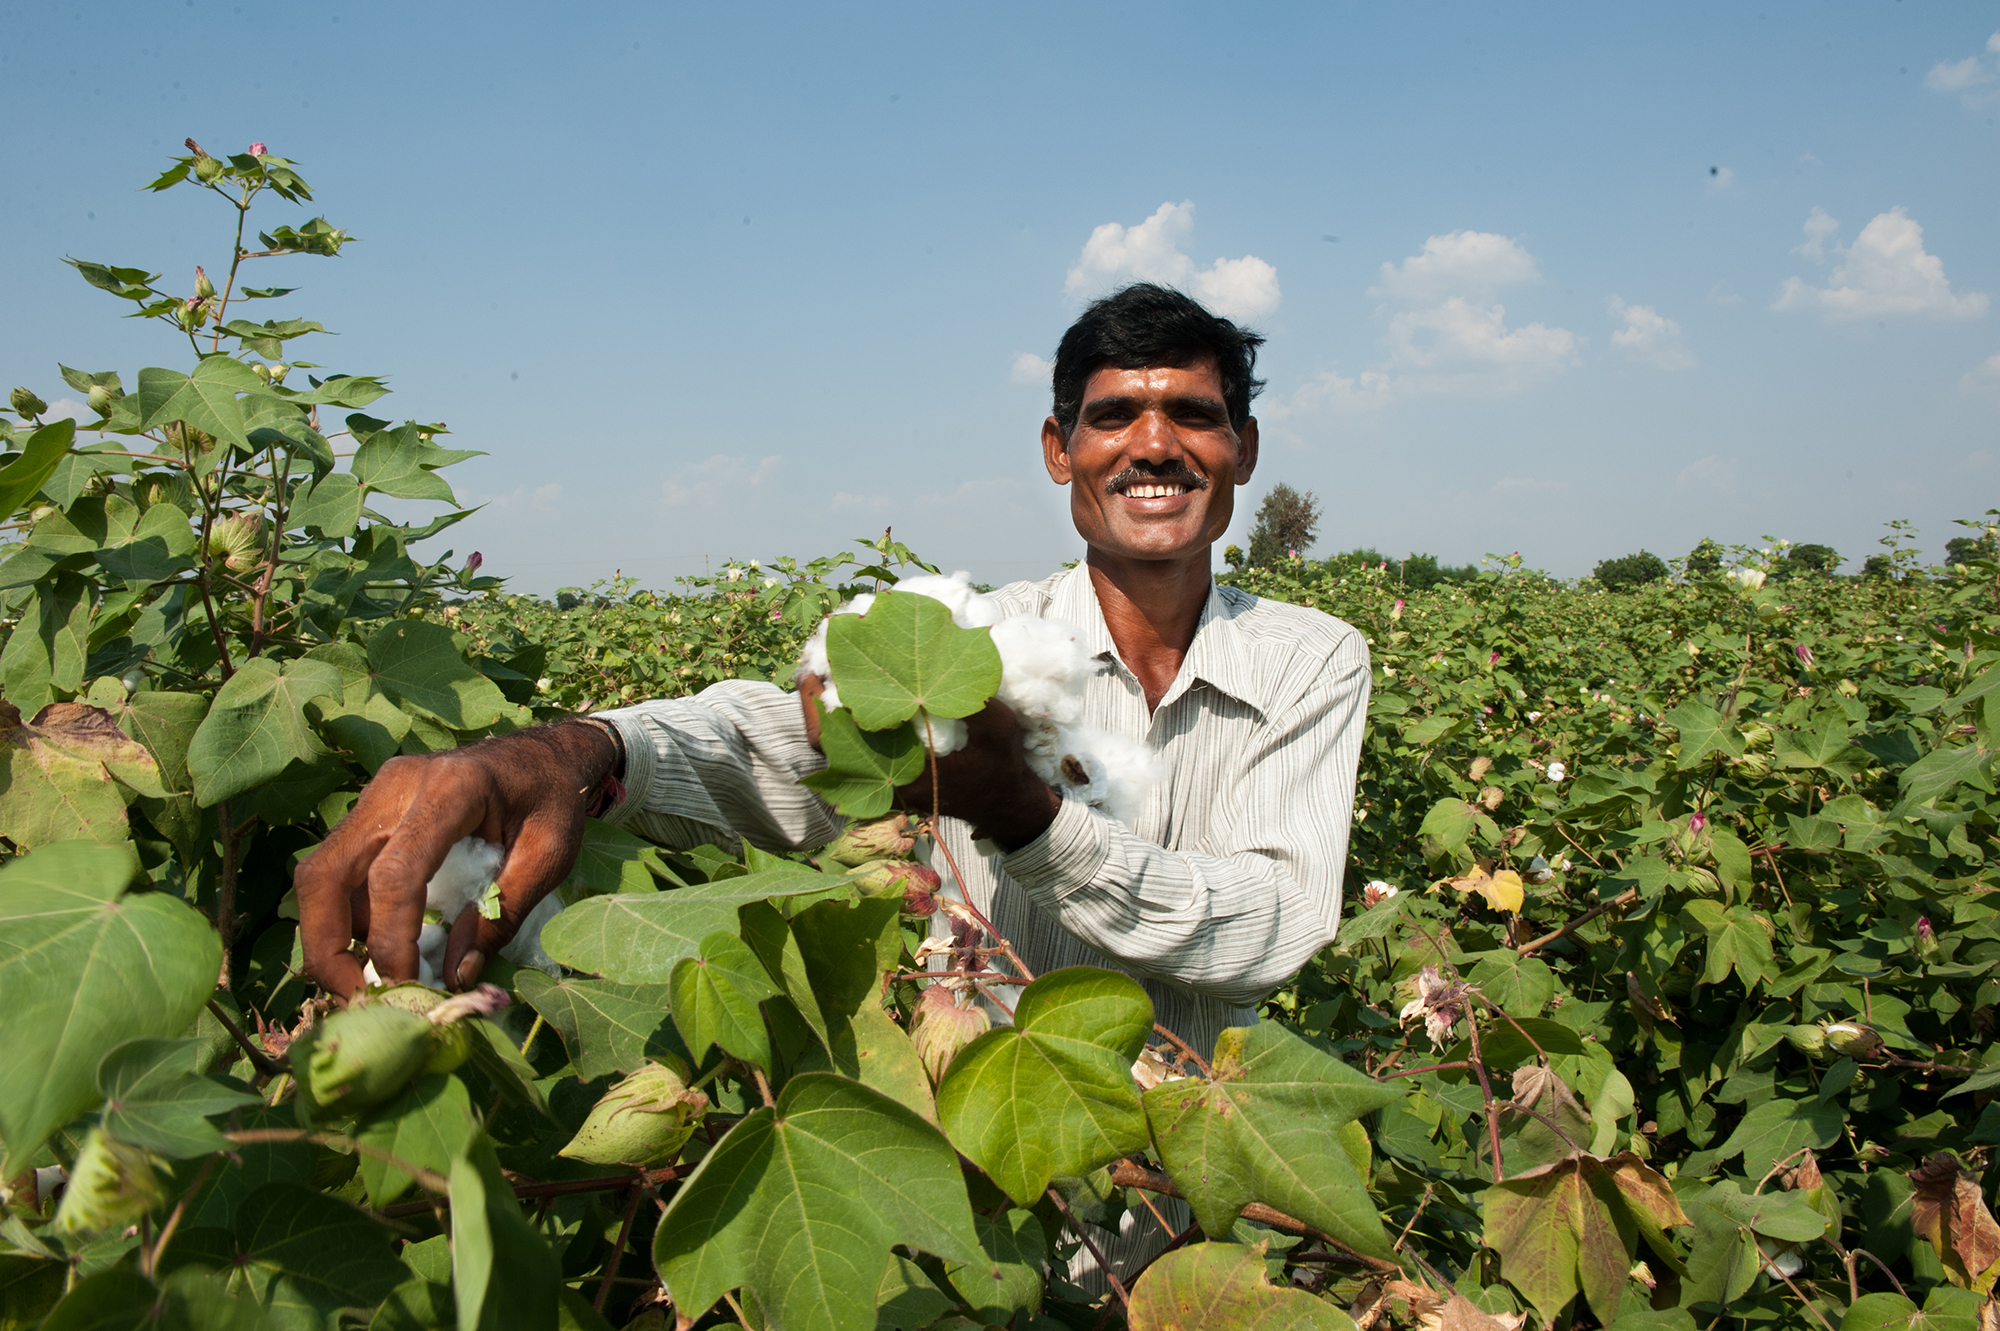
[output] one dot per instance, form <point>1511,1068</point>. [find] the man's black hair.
<point>1146,325</point>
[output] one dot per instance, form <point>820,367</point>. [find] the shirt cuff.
<point>641,759</point>
<point>1064,858</point>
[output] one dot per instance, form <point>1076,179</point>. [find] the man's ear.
<point>1055,451</point>
<point>1246,450</point>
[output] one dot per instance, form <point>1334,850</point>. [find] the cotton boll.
<point>1043,668</point>
<point>463,878</point>
<point>1108,772</point>
<point>969,609</point>
<point>945,735</point>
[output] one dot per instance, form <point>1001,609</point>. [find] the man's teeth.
<point>1154,491</point>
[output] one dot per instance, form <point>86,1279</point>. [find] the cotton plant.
<point>1043,675</point>
<point>467,881</point>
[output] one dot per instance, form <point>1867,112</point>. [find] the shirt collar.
<point>1217,656</point>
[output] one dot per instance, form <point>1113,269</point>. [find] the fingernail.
<point>469,967</point>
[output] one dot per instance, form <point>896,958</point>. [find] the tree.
<point>1287,524</point>
<point>1809,561</point>
<point>1966,549</point>
<point>1705,558</point>
<point>1421,572</point>
<point>1628,572</point>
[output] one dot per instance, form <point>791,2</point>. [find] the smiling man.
<point>1225,884</point>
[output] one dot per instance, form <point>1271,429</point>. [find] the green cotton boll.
<point>451,1045</point>
<point>365,1055</point>
<point>643,1121</point>
<point>883,838</point>
<point>26,403</point>
<point>111,1186</point>
<point>1806,1039</point>
<point>940,1027</point>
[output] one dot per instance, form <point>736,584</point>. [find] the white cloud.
<point>1719,179</point>
<point>869,504</point>
<point>1720,294</point>
<point>1711,474</point>
<point>1648,337</point>
<point>522,500</point>
<point>1886,271</point>
<point>1031,369</point>
<point>719,479</point>
<point>69,409</point>
<point>1241,289</point>
<point>1985,379</point>
<point>1453,263</point>
<point>1967,76</point>
<point>1819,229</point>
<point>1458,337</point>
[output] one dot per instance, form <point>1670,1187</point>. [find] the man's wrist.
<point>1023,819</point>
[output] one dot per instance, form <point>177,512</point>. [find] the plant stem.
<point>1125,1174</point>
<point>262,1061</point>
<point>1486,1091</point>
<point>225,892</point>
<point>1185,1048</point>
<point>149,1259</point>
<point>618,1249</point>
<point>425,1178</point>
<point>763,1087</point>
<point>560,1188</point>
<point>1618,902</point>
<point>1076,1226</point>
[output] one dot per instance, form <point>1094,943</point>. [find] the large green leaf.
<point>155,1096</point>
<point>83,968</point>
<point>417,664</point>
<point>1724,1259</point>
<point>1264,1130</point>
<point>205,399</point>
<point>257,726</point>
<point>1944,770</point>
<point>1703,731</point>
<point>502,1271</point>
<point>800,1205</point>
<point>613,860</point>
<point>332,503</point>
<point>67,777</point>
<point>1560,1230</point>
<point>429,1124</point>
<point>401,462</point>
<point>605,1026</point>
<point>640,938</point>
<point>1738,939</point>
<point>905,654</point>
<point>872,1049</point>
<point>865,767</point>
<point>715,997</point>
<point>21,478</point>
<point>304,1256</point>
<point>120,1299</point>
<point>1009,1280</point>
<point>45,654</point>
<point>1053,1093</point>
<point>1780,1128</point>
<point>1223,1287</point>
<point>166,724</point>
<point>145,549</point>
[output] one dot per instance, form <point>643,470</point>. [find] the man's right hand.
<point>527,791</point>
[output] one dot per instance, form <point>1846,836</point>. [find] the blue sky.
<point>739,281</point>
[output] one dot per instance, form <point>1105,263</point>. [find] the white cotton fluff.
<point>461,882</point>
<point>1043,672</point>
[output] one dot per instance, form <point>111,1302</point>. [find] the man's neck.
<point>1152,608</point>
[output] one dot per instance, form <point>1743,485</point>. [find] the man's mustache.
<point>1176,473</point>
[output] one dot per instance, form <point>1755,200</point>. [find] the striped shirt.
<point>1227,883</point>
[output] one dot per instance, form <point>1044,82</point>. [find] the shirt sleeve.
<point>1237,916</point>
<point>721,765</point>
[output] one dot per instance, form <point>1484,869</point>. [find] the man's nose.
<point>1154,436</point>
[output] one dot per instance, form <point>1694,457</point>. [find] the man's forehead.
<point>1201,379</point>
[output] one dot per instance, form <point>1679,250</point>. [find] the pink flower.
<point>1804,653</point>
<point>473,562</point>
<point>1399,603</point>
<point>256,150</point>
<point>1696,822</point>
<point>1493,659</point>
<point>1924,930</point>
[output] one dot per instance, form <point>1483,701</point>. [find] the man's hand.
<point>527,791</point>
<point>988,783</point>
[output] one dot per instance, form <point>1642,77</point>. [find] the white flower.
<point>542,684</point>
<point>1557,771</point>
<point>770,582</point>
<point>1534,716</point>
<point>1750,578</point>
<point>1378,892</point>
<point>734,574</point>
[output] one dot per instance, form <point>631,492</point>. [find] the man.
<point>1227,882</point>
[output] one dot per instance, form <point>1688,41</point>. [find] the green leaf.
<point>155,1096</point>
<point>1723,1262</point>
<point>61,780</point>
<point>29,1287</point>
<point>21,478</point>
<point>205,399</point>
<point>605,1026</point>
<point>45,654</point>
<point>826,1183</point>
<point>1559,1231</point>
<point>502,1271</point>
<point>865,767</point>
<point>1822,746</point>
<point>906,1300</point>
<point>502,1063</point>
<point>257,726</point>
<point>304,1256</point>
<point>1881,1312</point>
<point>1223,1287</point>
<point>1703,731</point>
<point>120,1298</point>
<point>1053,1093</point>
<point>151,549</point>
<point>1520,985</point>
<point>400,462</point>
<point>1263,1129</point>
<point>613,860</point>
<point>873,1050</point>
<point>1779,1128</point>
<point>1009,1280</point>
<point>907,655</point>
<point>429,1124</point>
<point>715,996</point>
<point>640,938</point>
<point>331,505</point>
<point>1944,770</point>
<point>83,968</point>
<point>1738,939</point>
<point>417,664</point>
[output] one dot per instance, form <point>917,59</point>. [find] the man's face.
<point>1153,463</point>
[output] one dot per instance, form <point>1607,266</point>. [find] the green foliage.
<point>1287,525</point>
<point>1629,571</point>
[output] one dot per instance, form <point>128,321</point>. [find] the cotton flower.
<point>472,563</point>
<point>1696,822</point>
<point>1750,578</point>
<point>1557,771</point>
<point>1440,1002</point>
<point>1377,892</point>
<point>1804,653</point>
<point>257,150</point>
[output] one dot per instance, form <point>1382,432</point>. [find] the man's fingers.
<point>810,688</point>
<point>328,882</point>
<point>452,802</point>
<point>540,858</point>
